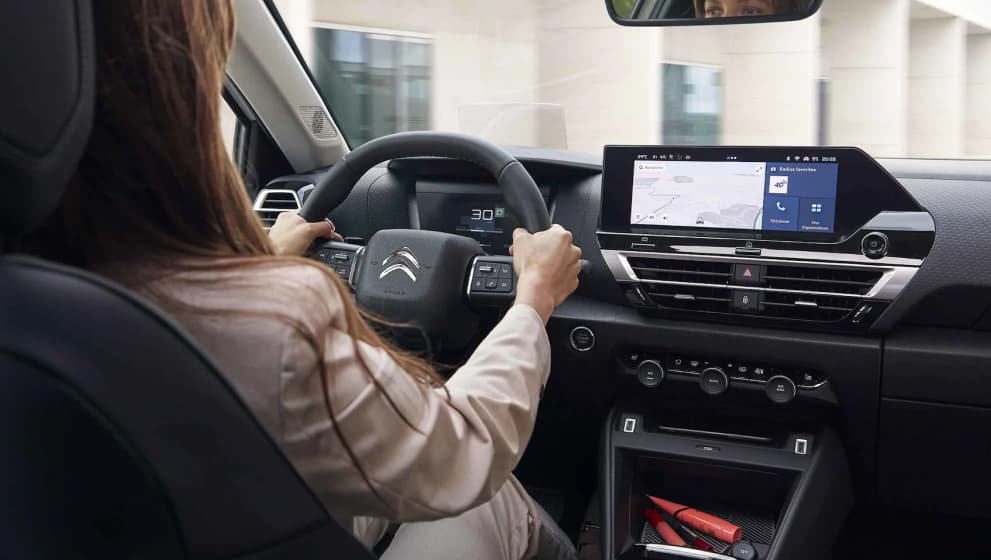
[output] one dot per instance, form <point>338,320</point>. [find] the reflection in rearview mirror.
<point>695,12</point>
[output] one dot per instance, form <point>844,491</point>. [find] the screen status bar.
<point>688,157</point>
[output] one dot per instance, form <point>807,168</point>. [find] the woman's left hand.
<point>292,235</point>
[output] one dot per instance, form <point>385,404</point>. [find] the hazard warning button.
<point>748,274</point>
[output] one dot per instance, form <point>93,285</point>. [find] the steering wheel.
<point>430,279</point>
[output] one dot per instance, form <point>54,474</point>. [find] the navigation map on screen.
<point>735,195</point>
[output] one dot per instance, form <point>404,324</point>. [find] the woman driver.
<point>157,205</point>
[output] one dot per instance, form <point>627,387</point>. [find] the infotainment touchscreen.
<point>787,196</point>
<point>776,193</point>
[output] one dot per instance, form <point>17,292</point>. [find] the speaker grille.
<point>317,122</point>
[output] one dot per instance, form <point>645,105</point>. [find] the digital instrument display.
<point>483,217</point>
<point>788,196</point>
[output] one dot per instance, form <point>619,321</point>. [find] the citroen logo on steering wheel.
<point>401,260</point>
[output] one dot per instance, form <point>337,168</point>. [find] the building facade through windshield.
<point>899,78</point>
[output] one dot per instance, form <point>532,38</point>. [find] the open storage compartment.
<point>789,504</point>
<point>752,499</point>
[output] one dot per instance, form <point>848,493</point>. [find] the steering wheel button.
<point>322,254</point>
<point>478,284</point>
<point>491,284</point>
<point>342,257</point>
<point>505,285</point>
<point>486,270</point>
<point>505,271</point>
<point>343,271</point>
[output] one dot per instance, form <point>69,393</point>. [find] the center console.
<point>737,426</point>
<point>818,238</point>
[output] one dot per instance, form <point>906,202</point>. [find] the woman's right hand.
<point>547,266</point>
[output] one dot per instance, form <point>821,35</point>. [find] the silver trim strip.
<point>892,281</point>
<point>352,277</point>
<point>824,257</point>
<point>831,259</point>
<point>710,433</point>
<point>303,190</point>
<point>471,277</point>
<point>683,552</point>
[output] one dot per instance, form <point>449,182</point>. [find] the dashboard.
<point>872,311</point>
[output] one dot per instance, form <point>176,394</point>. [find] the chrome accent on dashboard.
<point>353,276</point>
<point>304,192</point>
<point>893,279</point>
<point>683,552</point>
<point>813,387</point>
<point>785,255</point>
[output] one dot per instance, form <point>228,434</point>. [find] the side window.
<point>229,125</point>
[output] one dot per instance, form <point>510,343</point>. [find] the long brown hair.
<point>156,189</point>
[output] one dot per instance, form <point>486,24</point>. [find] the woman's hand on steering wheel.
<point>547,264</point>
<point>291,235</point>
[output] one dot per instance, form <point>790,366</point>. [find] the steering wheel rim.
<point>522,196</point>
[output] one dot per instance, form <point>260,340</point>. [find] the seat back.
<point>119,439</point>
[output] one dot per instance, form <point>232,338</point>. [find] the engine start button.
<point>582,339</point>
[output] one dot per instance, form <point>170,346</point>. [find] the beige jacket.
<point>463,451</point>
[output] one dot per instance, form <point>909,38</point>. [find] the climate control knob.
<point>714,381</point>
<point>650,373</point>
<point>780,389</point>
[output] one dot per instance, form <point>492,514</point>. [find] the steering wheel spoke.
<point>343,258</point>
<point>491,281</point>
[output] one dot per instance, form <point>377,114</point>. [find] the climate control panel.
<point>716,376</point>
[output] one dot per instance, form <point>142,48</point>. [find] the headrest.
<point>46,105</point>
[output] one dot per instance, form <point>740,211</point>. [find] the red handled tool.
<point>687,534</point>
<point>663,529</point>
<point>700,521</point>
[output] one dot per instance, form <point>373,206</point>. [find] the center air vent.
<point>272,202</point>
<point>670,270</point>
<point>823,280</point>
<point>824,294</point>
<point>691,285</point>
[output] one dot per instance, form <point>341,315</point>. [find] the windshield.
<point>895,78</point>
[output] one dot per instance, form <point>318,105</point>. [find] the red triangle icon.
<point>747,273</point>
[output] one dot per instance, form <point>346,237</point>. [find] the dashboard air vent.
<point>670,270</point>
<point>272,202</point>
<point>807,307</point>
<point>822,280</point>
<point>688,297</point>
<point>690,285</point>
<point>824,294</point>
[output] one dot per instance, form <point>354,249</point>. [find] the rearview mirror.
<point>662,13</point>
